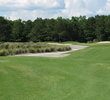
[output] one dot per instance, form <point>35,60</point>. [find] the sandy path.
<point>55,54</point>
<point>104,42</point>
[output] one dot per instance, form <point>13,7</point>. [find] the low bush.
<point>20,48</point>
<point>4,52</point>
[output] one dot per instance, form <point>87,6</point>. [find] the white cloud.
<point>30,9</point>
<point>13,3</point>
<point>29,3</point>
<point>27,14</point>
<point>105,9</point>
<point>82,7</point>
<point>46,3</point>
<point>75,8</point>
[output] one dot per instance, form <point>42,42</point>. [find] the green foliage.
<point>17,31</point>
<point>4,52</point>
<point>5,29</point>
<point>79,29</point>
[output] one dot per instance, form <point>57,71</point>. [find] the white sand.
<point>104,42</point>
<point>55,54</point>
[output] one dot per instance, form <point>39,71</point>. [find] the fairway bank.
<point>84,75</point>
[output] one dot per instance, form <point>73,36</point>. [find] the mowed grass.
<point>85,75</point>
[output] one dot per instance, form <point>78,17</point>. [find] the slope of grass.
<point>85,75</point>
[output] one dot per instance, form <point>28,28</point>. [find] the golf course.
<point>54,49</point>
<point>83,75</point>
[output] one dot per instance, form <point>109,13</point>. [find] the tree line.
<point>80,29</point>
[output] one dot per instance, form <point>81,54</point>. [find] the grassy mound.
<point>20,48</point>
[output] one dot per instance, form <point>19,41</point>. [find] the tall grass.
<point>20,48</point>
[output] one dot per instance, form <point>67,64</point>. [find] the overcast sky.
<point>31,9</point>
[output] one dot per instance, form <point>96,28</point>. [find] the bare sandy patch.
<point>56,54</point>
<point>104,42</point>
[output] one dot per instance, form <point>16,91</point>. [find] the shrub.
<point>19,48</point>
<point>4,53</point>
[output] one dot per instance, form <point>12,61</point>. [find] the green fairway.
<point>84,75</point>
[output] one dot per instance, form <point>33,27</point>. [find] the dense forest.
<point>79,29</point>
